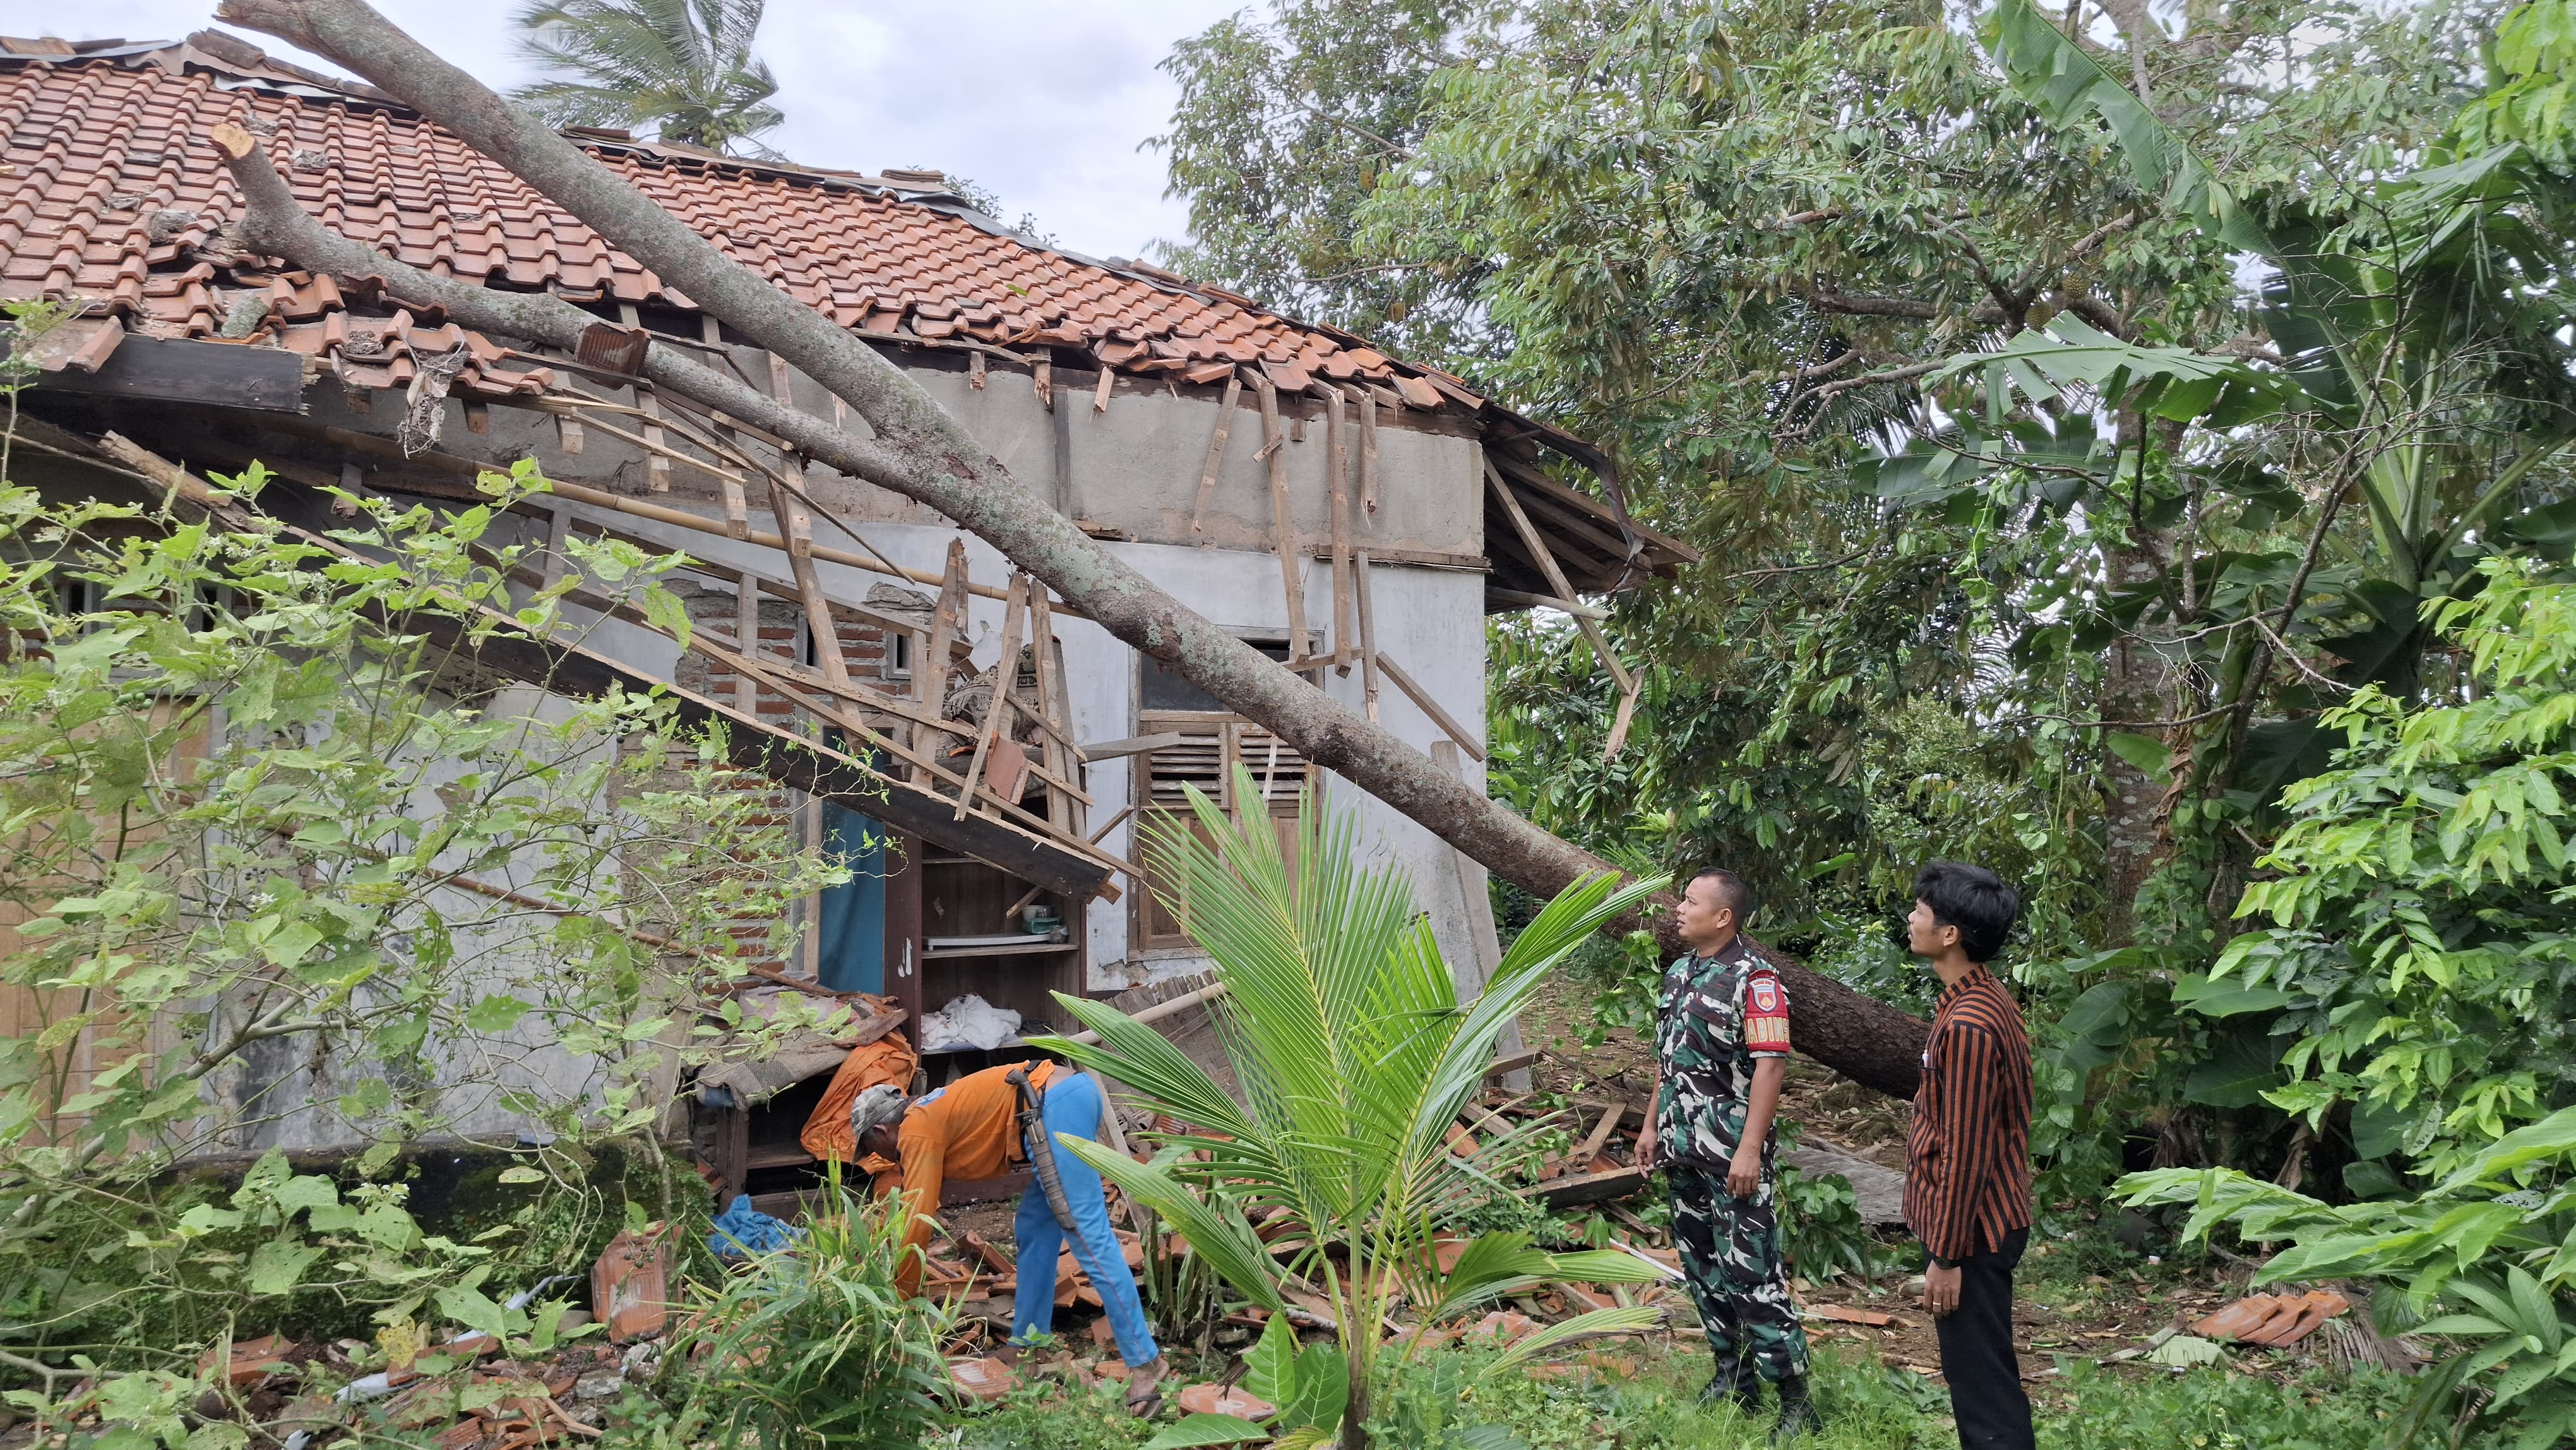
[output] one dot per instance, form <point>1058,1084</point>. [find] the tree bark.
<point>924,454</point>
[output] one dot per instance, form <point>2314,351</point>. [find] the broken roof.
<point>115,201</point>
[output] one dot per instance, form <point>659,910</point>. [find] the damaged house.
<point>1346,512</point>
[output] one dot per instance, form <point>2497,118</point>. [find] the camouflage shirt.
<point>1714,1017</point>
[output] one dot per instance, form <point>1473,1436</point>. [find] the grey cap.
<point>875,1107</point>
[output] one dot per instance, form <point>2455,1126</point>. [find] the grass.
<point>1441,1403</point>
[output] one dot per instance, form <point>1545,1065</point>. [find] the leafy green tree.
<point>1737,277</point>
<point>1281,133</point>
<point>683,68</point>
<point>1342,1025</point>
<point>2417,951</point>
<point>2118,389</point>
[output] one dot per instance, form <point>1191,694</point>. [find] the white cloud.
<point>1043,102</point>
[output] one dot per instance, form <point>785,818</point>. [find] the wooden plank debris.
<point>1584,1188</point>
<point>1283,518</point>
<point>1361,584</point>
<point>466,468</point>
<point>1215,459</point>
<point>1619,723</point>
<point>657,454</point>
<point>818,606</point>
<point>495,642</point>
<point>1132,745</point>
<point>1055,702</point>
<point>799,688</point>
<point>1555,573</point>
<point>1597,1139</point>
<point>1338,499</point>
<point>657,468</point>
<point>1423,701</point>
<point>737,503</point>
<point>947,623</point>
<point>997,710</point>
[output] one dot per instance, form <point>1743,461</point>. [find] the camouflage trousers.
<point>1731,1255</point>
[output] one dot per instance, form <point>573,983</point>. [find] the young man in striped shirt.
<point>1967,1163</point>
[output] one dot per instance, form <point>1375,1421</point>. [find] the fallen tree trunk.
<point>923,453</point>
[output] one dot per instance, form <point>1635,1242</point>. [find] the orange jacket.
<point>966,1130</point>
<point>889,1059</point>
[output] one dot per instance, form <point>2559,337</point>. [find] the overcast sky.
<point>1043,102</point>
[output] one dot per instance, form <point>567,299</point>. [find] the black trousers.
<point>1986,1396</point>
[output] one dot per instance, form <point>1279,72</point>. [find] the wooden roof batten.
<point>497,643</point>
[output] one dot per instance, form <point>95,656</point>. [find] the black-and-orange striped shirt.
<point>1967,1163</point>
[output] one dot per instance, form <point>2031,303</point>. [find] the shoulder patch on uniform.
<point>1766,1013</point>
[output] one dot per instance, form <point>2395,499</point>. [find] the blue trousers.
<point>1072,1107</point>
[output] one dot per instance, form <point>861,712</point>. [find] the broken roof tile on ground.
<point>2277,1320</point>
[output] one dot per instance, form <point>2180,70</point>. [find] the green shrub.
<point>2210,1409</point>
<point>812,1346</point>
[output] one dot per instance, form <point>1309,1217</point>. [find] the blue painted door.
<point>850,928</point>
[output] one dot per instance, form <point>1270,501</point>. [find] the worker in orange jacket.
<point>972,1129</point>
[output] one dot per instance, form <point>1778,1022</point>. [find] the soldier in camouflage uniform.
<point>1721,1049</point>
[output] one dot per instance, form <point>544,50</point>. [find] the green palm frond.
<point>1353,1056</point>
<point>682,68</point>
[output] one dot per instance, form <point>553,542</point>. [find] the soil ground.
<point>2081,1295</point>
<point>2078,1296</point>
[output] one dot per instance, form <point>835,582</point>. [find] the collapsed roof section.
<point>116,203</point>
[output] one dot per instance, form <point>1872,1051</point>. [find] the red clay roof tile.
<point>109,190</point>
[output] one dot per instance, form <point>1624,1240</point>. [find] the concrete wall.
<point>1133,468</point>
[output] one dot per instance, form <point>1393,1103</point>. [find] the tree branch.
<point>1795,568</point>
<point>1826,300</point>
<point>1355,128</point>
<point>1905,374</point>
<point>923,453</point>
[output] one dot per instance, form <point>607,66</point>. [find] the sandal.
<point>1144,1387</point>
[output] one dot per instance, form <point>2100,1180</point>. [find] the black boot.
<point>1735,1379</point>
<point>1797,1412</point>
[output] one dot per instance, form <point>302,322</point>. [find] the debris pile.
<point>459,1393</point>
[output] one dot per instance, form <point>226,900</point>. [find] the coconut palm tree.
<point>681,67</point>
<point>1354,1056</point>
